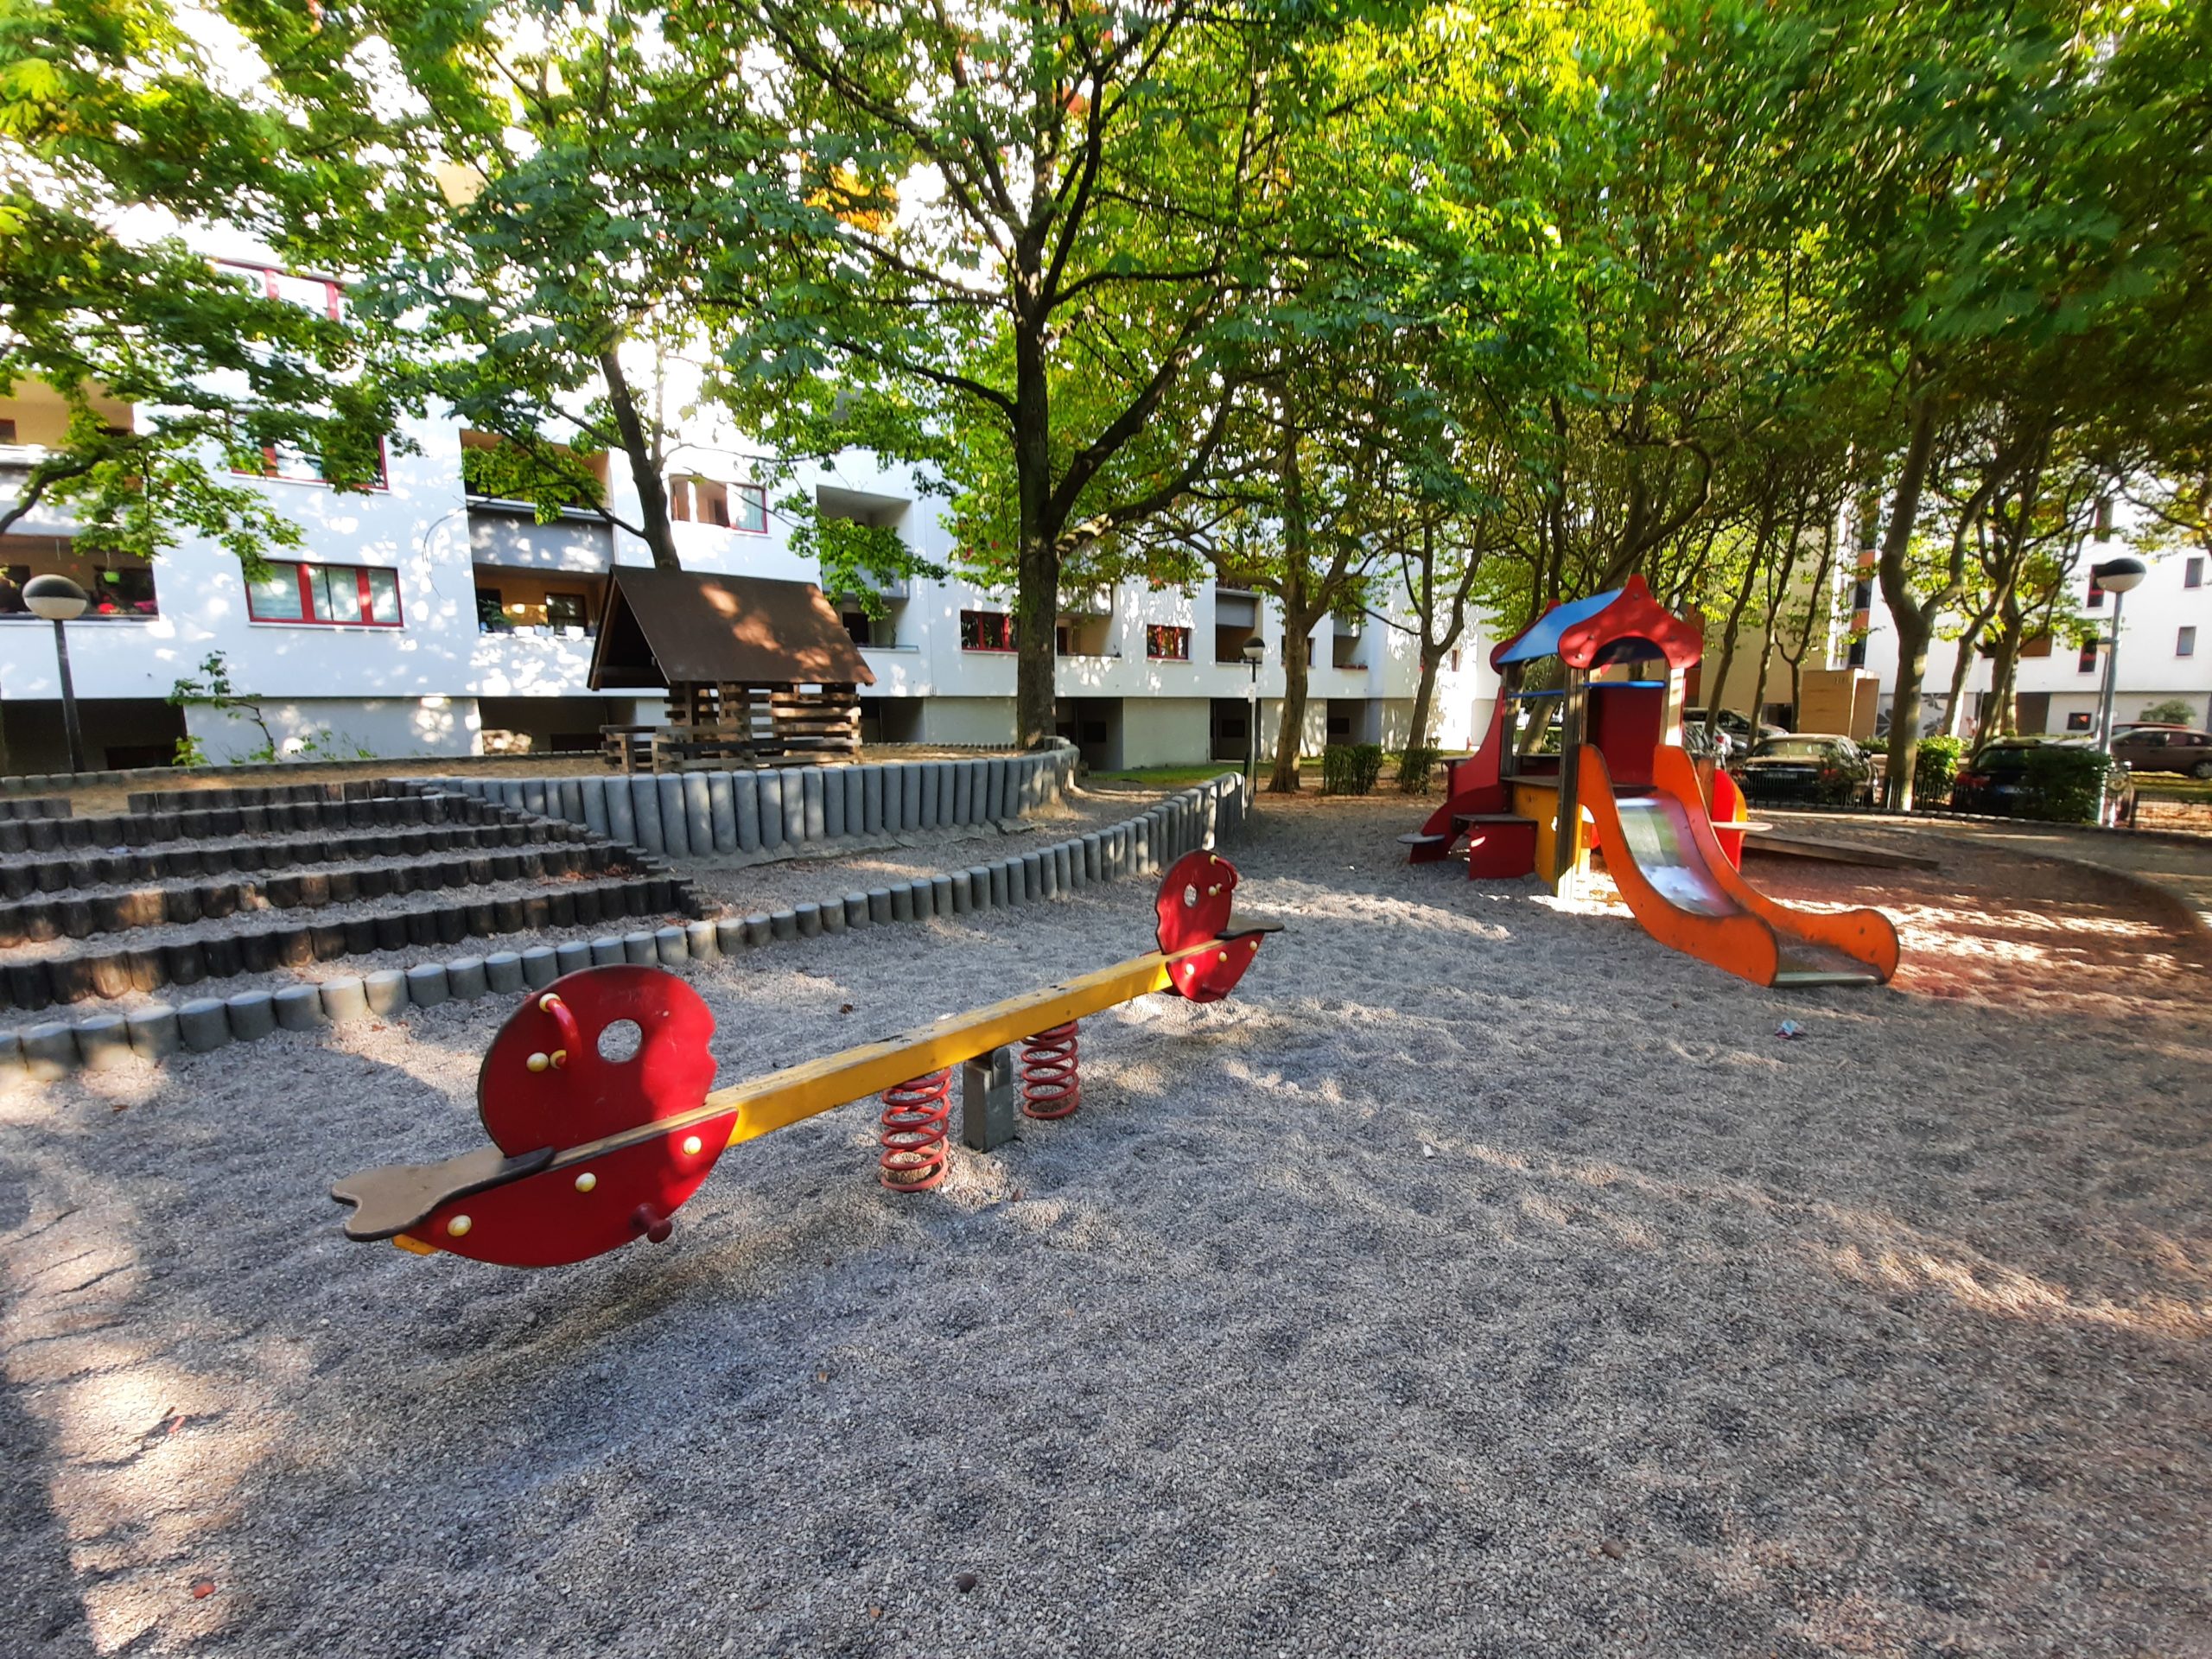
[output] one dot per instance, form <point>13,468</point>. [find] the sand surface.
<point>742,884</point>
<point>1481,1278</point>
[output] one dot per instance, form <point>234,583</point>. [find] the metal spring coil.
<point>917,1116</point>
<point>1050,1087</point>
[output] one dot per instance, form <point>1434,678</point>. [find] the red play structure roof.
<point>1580,631</point>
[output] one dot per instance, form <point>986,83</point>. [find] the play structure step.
<point>1417,839</point>
<point>1463,819</point>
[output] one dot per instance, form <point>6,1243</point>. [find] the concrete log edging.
<point>701,814</point>
<point>1147,845</point>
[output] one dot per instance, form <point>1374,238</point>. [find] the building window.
<point>986,631</point>
<point>329,595</point>
<point>2086,662</point>
<point>491,613</point>
<point>7,436</point>
<point>566,610</point>
<point>296,466</point>
<point>310,293</point>
<point>2096,594</point>
<point>2078,723</point>
<point>116,591</point>
<point>727,506</point>
<point>1167,644</point>
<point>2186,643</point>
<point>2192,574</point>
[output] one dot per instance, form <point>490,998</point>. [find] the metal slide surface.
<point>1659,848</point>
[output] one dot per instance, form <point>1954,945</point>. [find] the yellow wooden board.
<point>782,1098</point>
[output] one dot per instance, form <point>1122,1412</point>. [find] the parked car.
<point>2164,748</point>
<point>1995,780</point>
<point>1738,727</point>
<point>1808,768</point>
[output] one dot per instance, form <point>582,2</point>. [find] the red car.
<point>2164,748</point>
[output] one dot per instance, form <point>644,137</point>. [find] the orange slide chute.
<point>1661,850</point>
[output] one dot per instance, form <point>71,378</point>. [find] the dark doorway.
<point>1231,729</point>
<point>1094,726</point>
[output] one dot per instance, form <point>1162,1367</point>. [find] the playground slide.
<point>1660,848</point>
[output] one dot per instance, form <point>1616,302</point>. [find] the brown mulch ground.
<point>2025,931</point>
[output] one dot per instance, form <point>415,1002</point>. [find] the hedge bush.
<point>1350,769</point>
<point>1415,767</point>
<point>1933,765</point>
<point>2065,783</point>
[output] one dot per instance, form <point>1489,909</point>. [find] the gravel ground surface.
<point>1481,1278</point>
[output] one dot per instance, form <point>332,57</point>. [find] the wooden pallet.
<point>717,725</point>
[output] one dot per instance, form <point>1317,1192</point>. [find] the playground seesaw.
<point>592,1150</point>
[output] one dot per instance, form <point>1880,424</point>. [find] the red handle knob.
<point>654,1226</point>
<point>571,1036</point>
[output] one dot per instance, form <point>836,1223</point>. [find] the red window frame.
<point>333,308</point>
<point>977,625</point>
<point>268,470</point>
<point>2086,662</point>
<point>306,618</point>
<point>756,494</point>
<point>1157,633</point>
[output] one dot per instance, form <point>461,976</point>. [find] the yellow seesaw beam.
<point>782,1098</point>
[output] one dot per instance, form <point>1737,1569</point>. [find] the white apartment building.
<point>420,619</point>
<point>2164,653</point>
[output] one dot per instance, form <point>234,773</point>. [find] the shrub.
<point>2064,783</point>
<point>1934,766</point>
<point>1415,767</point>
<point>1350,769</point>
<point>2174,711</point>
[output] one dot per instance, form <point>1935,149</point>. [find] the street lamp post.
<point>2117,577</point>
<point>1255,653</point>
<point>60,600</point>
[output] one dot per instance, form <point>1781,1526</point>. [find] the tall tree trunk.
<point>1915,625</point>
<point>1433,645</point>
<point>1037,595</point>
<point>645,464</point>
<point>1297,647</point>
<point>1778,588</point>
<point>1816,599</point>
<point>1300,613</point>
<point>1961,671</point>
<point>1432,658</point>
<point>2003,684</point>
<point>1736,608</point>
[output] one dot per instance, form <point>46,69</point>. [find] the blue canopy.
<point>1543,635</point>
